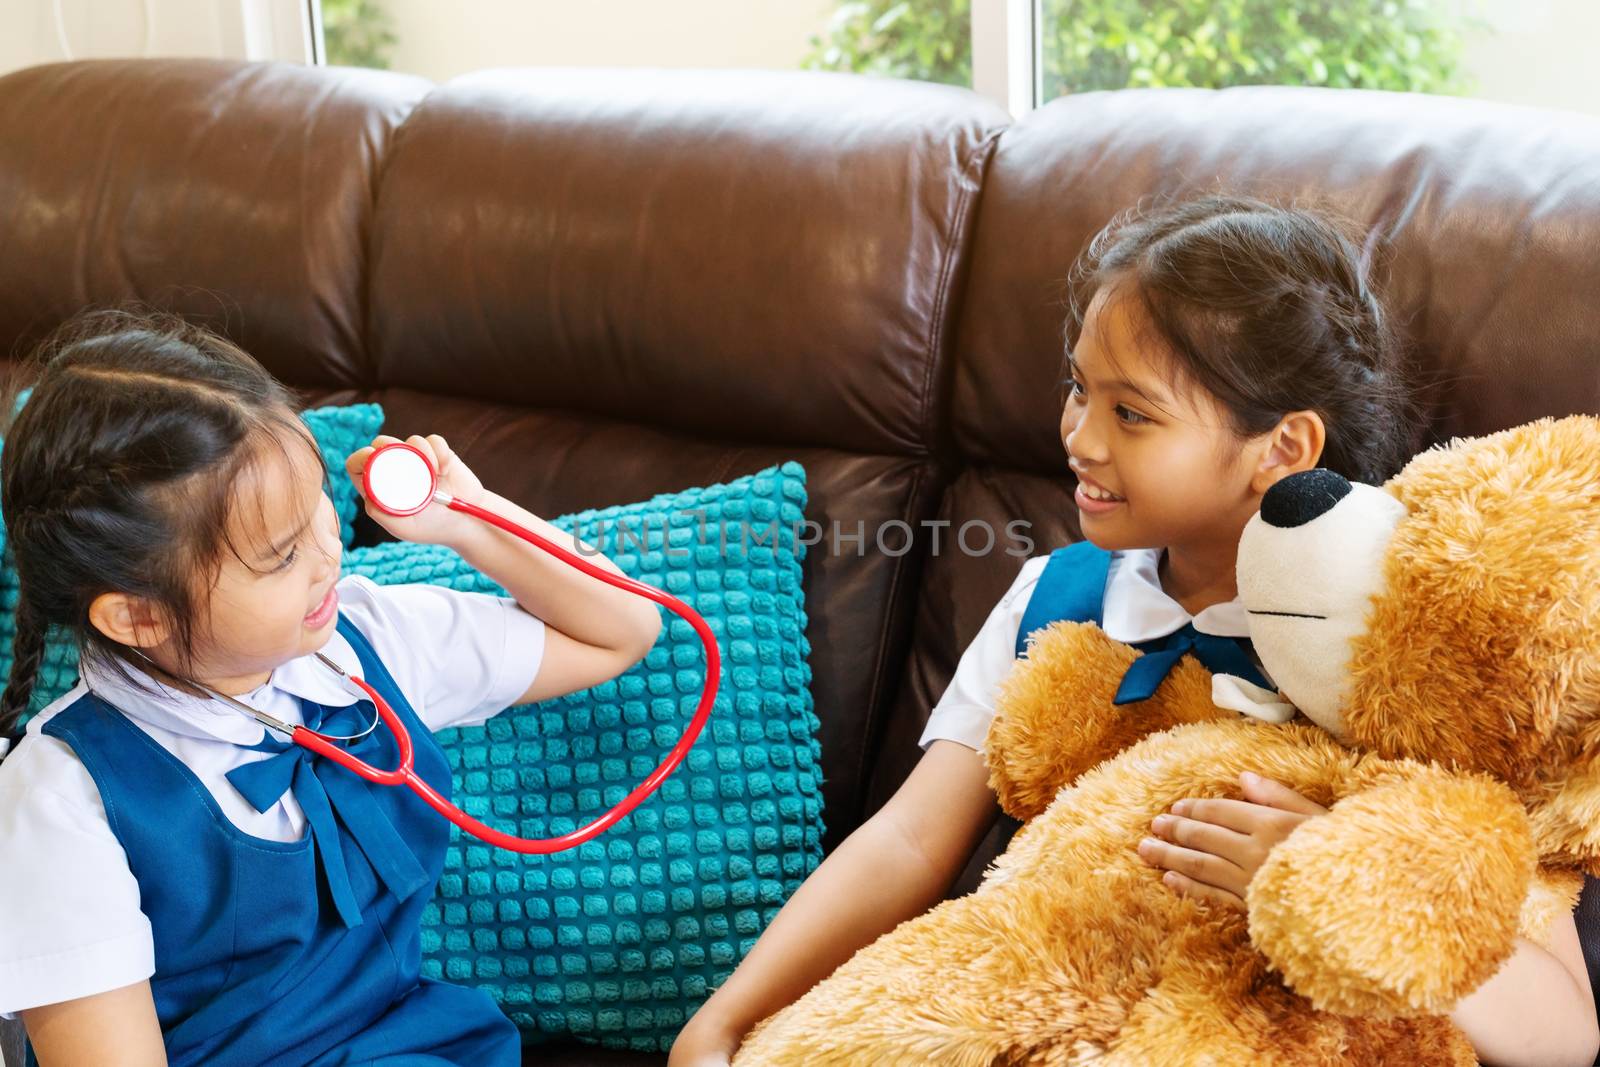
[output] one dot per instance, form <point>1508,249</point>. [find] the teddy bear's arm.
<point>1054,716</point>
<point>1402,899</point>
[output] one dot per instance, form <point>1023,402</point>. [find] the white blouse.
<point>1136,608</point>
<point>70,924</point>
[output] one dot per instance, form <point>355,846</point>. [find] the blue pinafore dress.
<point>1072,587</point>
<point>305,952</point>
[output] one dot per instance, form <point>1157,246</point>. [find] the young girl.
<point>1214,348</point>
<point>180,886</point>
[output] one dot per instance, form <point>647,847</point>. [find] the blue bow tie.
<point>326,792</point>
<point>1219,655</point>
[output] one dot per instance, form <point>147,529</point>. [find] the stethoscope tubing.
<point>404,773</point>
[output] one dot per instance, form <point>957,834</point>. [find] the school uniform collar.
<point>216,720</point>
<point>1138,609</point>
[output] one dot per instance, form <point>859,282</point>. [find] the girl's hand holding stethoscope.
<point>431,526</point>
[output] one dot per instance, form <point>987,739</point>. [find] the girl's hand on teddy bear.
<point>1211,848</point>
<point>435,525</point>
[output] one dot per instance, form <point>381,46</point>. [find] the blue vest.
<point>255,963</point>
<point>1072,587</point>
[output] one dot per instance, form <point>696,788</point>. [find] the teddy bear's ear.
<point>1483,650</point>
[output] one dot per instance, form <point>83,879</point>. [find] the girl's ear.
<point>127,620</point>
<point>1294,445</point>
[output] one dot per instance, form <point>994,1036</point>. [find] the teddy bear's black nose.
<point>1299,498</point>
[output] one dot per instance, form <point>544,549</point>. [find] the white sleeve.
<point>460,657</point>
<point>70,924</point>
<point>966,709</point>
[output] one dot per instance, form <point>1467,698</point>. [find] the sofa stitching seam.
<point>972,171</point>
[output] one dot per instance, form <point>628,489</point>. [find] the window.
<point>442,40</point>
<point>1517,51</point>
<point>1020,52</point>
<point>1408,45</point>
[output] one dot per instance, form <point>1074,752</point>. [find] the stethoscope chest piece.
<point>399,479</point>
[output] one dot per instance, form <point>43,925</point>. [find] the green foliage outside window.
<point>1413,45</point>
<point>929,40</point>
<point>357,33</point>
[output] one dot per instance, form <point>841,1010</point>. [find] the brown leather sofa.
<point>599,285</point>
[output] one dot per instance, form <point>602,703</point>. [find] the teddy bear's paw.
<point>1401,900</point>
<point>1055,717</point>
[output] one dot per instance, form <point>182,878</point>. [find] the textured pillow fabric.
<point>338,431</point>
<point>619,940</point>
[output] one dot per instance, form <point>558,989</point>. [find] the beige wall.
<point>440,39</point>
<point>31,32</point>
<point>28,31</point>
<point>1539,52</point>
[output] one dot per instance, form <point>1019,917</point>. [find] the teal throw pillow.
<point>339,431</point>
<point>618,941</point>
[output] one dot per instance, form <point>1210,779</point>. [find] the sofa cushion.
<point>771,255</point>
<point>1490,214</point>
<point>236,194</point>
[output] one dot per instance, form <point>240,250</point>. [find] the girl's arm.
<point>593,631</point>
<point>897,865</point>
<point>1538,1008</point>
<point>118,1028</point>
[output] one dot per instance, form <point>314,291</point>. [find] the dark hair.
<point>117,476</point>
<point>1270,310</point>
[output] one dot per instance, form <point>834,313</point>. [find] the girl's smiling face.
<point>271,600</point>
<point>279,563</point>
<point>1158,464</point>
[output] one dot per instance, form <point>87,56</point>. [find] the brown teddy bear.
<point>1442,637</point>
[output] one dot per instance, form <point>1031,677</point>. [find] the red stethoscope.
<point>399,479</point>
